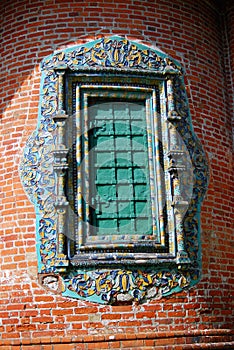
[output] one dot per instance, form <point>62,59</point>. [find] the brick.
<point>31,30</point>
<point>97,346</point>
<point>64,346</point>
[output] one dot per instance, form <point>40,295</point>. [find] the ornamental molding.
<point>110,285</point>
<point>113,53</point>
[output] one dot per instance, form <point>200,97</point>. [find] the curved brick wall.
<point>200,35</point>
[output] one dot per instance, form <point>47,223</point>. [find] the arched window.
<point>121,174</point>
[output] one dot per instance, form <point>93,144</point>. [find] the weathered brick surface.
<point>200,35</point>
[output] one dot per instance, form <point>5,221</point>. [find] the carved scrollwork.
<point>111,286</point>
<point>115,53</point>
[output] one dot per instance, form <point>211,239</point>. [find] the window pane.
<point>118,168</point>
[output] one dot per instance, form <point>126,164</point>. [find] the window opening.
<point>117,135</point>
<point>116,174</point>
<point>119,178</point>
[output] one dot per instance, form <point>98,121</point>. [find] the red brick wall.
<point>200,35</point>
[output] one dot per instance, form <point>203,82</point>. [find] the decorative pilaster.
<point>179,211</point>
<point>172,113</point>
<point>176,166</point>
<point>178,204</point>
<point>60,166</point>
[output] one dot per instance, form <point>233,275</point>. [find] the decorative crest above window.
<point>116,174</point>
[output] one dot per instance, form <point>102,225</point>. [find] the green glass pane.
<point>125,226</point>
<point>141,191</point>
<point>107,224</point>
<point>105,175</point>
<point>139,143</point>
<point>121,110</point>
<point>124,192</point>
<point>103,111</point>
<point>105,159</point>
<point>123,143</point>
<point>103,128</point>
<point>106,192</point>
<point>126,209</point>
<point>143,226</point>
<point>108,142</point>
<point>122,128</point>
<point>107,209</point>
<point>138,128</point>
<point>139,159</point>
<point>137,110</point>
<point>141,208</point>
<point>140,175</point>
<point>124,175</point>
<point>123,159</point>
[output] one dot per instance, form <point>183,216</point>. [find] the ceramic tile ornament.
<point>156,256</point>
